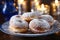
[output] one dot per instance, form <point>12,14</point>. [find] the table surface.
<point>4,36</point>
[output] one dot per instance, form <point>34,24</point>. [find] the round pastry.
<point>48,18</point>
<point>39,26</point>
<point>18,25</point>
<point>29,16</point>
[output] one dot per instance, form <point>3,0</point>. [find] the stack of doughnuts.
<point>30,15</point>
<point>35,21</point>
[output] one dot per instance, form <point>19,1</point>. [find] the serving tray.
<point>5,28</point>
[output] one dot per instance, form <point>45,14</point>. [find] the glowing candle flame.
<point>37,3</point>
<point>56,2</point>
<point>20,1</point>
<point>35,0</point>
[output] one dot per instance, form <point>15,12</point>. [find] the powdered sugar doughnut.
<point>18,25</point>
<point>48,18</point>
<point>39,25</point>
<point>30,15</point>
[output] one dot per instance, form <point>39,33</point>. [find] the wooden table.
<point>4,36</point>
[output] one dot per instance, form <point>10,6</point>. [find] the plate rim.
<point>28,35</point>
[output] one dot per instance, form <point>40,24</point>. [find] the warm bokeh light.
<point>37,3</point>
<point>16,7</point>
<point>56,2</point>
<point>54,7</point>
<point>14,4</point>
<point>38,7</point>
<point>20,1</point>
<point>42,7</point>
<point>35,0</point>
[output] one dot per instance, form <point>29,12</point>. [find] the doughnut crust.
<point>39,26</point>
<point>48,18</point>
<point>16,24</point>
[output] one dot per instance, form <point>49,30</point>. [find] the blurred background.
<point>9,8</point>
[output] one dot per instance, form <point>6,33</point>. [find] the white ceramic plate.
<point>55,28</point>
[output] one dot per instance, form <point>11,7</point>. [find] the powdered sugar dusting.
<point>39,23</point>
<point>16,20</point>
<point>31,15</point>
<point>47,18</point>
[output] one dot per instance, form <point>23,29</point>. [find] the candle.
<point>25,6</point>
<point>56,7</point>
<point>20,3</point>
<point>37,6</point>
<point>32,7</point>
